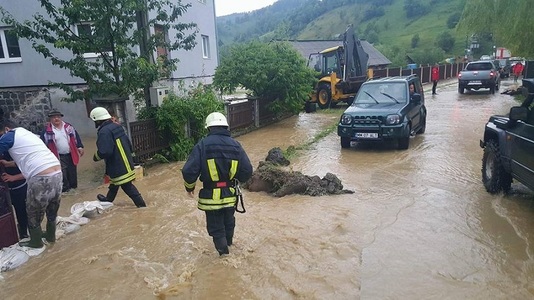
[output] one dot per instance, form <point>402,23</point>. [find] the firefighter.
<point>219,160</point>
<point>114,147</point>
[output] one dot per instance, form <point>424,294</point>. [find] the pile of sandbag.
<point>13,256</point>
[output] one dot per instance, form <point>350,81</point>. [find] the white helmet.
<point>99,114</point>
<point>216,119</point>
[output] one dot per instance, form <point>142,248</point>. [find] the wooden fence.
<point>245,113</point>
<point>147,140</point>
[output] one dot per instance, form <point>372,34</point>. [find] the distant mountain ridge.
<point>414,26</point>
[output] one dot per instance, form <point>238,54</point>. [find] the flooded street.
<point>420,225</point>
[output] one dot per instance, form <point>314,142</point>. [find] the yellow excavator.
<point>342,70</point>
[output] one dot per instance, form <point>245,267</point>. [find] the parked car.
<point>384,109</point>
<point>508,145</point>
<point>477,75</point>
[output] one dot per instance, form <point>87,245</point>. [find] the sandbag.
<point>89,209</point>
<point>11,258</point>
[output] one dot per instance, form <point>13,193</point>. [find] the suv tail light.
<point>459,75</point>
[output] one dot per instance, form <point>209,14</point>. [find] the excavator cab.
<point>342,70</point>
<point>327,62</point>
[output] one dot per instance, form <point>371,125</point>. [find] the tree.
<point>415,40</point>
<point>274,71</point>
<point>108,29</point>
<point>415,8</point>
<point>513,30</point>
<point>445,41</point>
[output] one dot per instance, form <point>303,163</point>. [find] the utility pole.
<point>142,26</point>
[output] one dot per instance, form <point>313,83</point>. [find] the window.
<point>87,30</point>
<point>202,1</point>
<point>9,47</point>
<point>205,46</point>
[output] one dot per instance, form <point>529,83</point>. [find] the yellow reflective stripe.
<point>233,169</point>
<point>123,155</point>
<point>212,168</point>
<point>189,185</point>
<point>216,194</point>
<point>211,204</point>
<point>123,179</point>
<point>96,157</point>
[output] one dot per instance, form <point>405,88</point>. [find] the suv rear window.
<point>479,66</point>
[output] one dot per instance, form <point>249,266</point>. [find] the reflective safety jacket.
<point>114,147</point>
<point>218,159</point>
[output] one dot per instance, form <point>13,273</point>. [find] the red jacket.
<point>518,69</point>
<point>435,73</point>
<point>74,141</point>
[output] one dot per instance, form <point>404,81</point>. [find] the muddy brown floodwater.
<point>419,226</point>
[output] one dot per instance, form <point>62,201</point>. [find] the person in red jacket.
<point>518,69</point>
<point>435,78</point>
<point>65,142</point>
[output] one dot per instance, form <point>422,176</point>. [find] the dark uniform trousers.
<point>130,190</point>
<point>220,225</point>
<point>70,177</point>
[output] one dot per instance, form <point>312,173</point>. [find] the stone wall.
<point>27,107</point>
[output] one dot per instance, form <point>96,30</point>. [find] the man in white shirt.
<point>42,171</point>
<point>64,141</point>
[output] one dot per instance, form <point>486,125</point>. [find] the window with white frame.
<point>87,30</point>
<point>9,47</point>
<point>205,46</point>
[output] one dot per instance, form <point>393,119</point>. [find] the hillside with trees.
<point>424,31</point>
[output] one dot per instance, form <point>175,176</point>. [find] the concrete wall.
<point>29,108</point>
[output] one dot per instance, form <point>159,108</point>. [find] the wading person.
<point>218,160</point>
<point>435,78</point>
<point>113,146</point>
<point>42,171</point>
<point>64,141</point>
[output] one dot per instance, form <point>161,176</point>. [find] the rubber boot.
<point>102,198</point>
<point>50,233</point>
<point>35,239</point>
<point>23,232</point>
<point>221,246</point>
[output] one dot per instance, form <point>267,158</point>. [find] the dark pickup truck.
<point>479,74</point>
<point>508,145</point>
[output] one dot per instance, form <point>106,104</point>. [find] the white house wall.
<point>35,70</point>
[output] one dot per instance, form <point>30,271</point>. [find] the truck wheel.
<point>345,142</point>
<point>460,89</point>
<point>324,96</point>
<point>494,176</point>
<point>404,142</point>
<point>423,127</point>
<point>309,107</point>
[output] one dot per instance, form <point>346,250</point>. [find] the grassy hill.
<point>390,30</point>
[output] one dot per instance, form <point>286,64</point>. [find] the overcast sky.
<point>227,7</point>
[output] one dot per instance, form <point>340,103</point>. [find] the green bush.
<point>189,111</point>
<point>271,71</point>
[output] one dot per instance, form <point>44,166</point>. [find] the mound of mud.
<point>271,178</point>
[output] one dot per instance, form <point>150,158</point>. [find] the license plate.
<point>367,135</point>
<point>474,82</point>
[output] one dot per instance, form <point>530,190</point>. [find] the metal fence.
<point>445,71</point>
